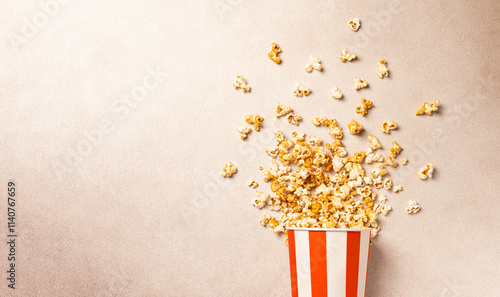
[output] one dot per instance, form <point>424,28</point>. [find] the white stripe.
<point>303,263</point>
<point>336,259</point>
<point>364,245</point>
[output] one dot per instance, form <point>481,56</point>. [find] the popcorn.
<point>253,184</point>
<point>294,119</point>
<point>314,140</point>
<point>239,82</point>
<point>375,144</point>
<point>387,183</point>
<point>382,208</point>
<point>383,71</point>
<point>260,167</point>
<point>314,63</point>
<point>228,170</point>
<point>363,108</point>
<point>332,124</point>
<point>265,219</point>
<point>256,120</point>
<point>390,162</point>
<point>301,137</point>
<point>301,90</point>
<point>282,110</point>
<point>374,157</point>
<point>397,189</point>
<point>273,54</point>
<point>359,83</point>
<point>413,207</point>
<point>428,108</point>
<point>354,127</point>
<point>379,170</point>
<point>426,171</point>
<point>261,199</point>
<point>336,93</point>
<point>382,198</point>
<point>354,24</point>
<point>243,130</point>
<point>387,126</point>
<point>395,149</point>
<point>346,56</point>
<point>404,161</point>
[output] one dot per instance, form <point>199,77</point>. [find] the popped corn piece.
<point>260,167</point>
<point>382,208</point>
<point>358,157</point>
<point>354,24</point>
<point>363,108</point>
<point>413,207</point>
<point>359,83</point>
<point>354,127</point>
<point>265,219</point>
<point>261,199</point>
<point>335,130</point>
<point>336,93</point>
<point>228,170</point>
<point>382,198</point>
<point>346,56</point>
<point>379,170</point>
<point>253,184</point>
<point>426,171</point>
<point>239,82</point>
<point>314,63</point>
<point>404,161</point>
<point>243,131</point>
<point>387,126</point>
<point>375,144</point>
<point>299,136</point>
<point>377,182</point>
<point>387,183</point>
<point>256,120</point>
<point>282,110</point>
<point>374,157</point>
<point>294,119</point>
<point>273,223</point>
<point>273,54</point>
<point>395,149</point>
<point>313,140</point>
<point>390,162</point>
<point>397,188</point>
<point>383,71</point>
<point>428,108</point>
<point>300,90</point>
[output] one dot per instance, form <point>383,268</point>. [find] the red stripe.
<point>366,277</point>
<point>317,252</point>
<point>293,263</point>
<point>352,269</point>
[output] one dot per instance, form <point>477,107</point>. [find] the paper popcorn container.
<point>328,262</point>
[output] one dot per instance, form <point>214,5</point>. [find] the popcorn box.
<point>328,262</point>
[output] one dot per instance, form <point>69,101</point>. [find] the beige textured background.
<point>121,197</point>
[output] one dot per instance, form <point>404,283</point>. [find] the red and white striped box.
<point>328,262</point>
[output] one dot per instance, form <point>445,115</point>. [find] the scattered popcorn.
<point>413,207</point>
<point>382,198</point>
<point>382,208</point>
<point>426,171</point>
<point>314,63</point>
<point>282,110</point>
<point>395,149</point>
<point>374,157</point>
<point>346,56</point>
<point>387,126</point>
<point>253,184</point>
<point>404,161</point>
<point>336,93</point>
<point>375,144</point>
<point>261,199</point>
<point>383,71</point>
<point>363,108</point>
<point>265,219</point>
<point>397,189</point>
<point>301,90</point>
<point>354,24</point>
<point>314,140</point>
<point>228,170</point>
<point>335,130</point>
<point>299,136</point>
<point>260,167</point>
<point>390,162</point>
<point>239,82</point>
<point>354,127</point>
<point>294,119</point>
<point>428,108</point>
<point>359,83</point>
<point>379,170</point>
<point>256,120</point>
<point>273,54</point>
<point>387,183</point>
<point>243,131</point>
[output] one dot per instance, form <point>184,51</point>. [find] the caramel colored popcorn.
<point>335,130</point>
<point>273,54</point>
<point>301,90</point>
<point>354,24</point>
<point>395,149</point>
<point>336,93</point>
<point>379,171</point>
<point>404,161</point>
<point>428,108</point>
<point>359,83</point>
<point>294,119</point>
<point>243,131</point>
<point>239,82</point>
<point>253,184</point>
<point>228,170</point>
<point>363,108</point>
<point>375,144</point>
<point>426,171</point>
<point>354,127</point>
<point>374,157</point>
<point>387,126</point>
<point>282,110</point>
<point>388,161</point>
<point>346,56</point>
<point>261,199</point>
<point>313,140</point>
<point>265,219</point>
<point>413,207</point>
<point>256,120</point>
<point>314,63</point>
<point>383,71</point>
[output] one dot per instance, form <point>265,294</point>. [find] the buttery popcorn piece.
<point>346,56</point>
<point>256,120</point>
<point>390,162</point>
<point>387,126</point>
<point>265,219</point>
<point>273,54</point>
<point>314,63</point>
<point>387,183</point>
<point>413,207</point>
<point>374,157</point>
<point>354,24</point>
<point>354,127</point>
<point>359,83</point>
<point>332,124</point>
<point>363,108</point>
<point>314,140</point>
<point>253,184</point>
<point>282,110</point>
<point>243,131</point>
<point>294,119</point>
<point>397,189</point>
<point>404,161</point>
<point>382,198</point>
<point>426,171</point>
<point>375,144</point>
<point>395,149</point>
<point>383,71</point>
<point>336,93</point>
<point>301,90</point>
<point>379,171</point>
<point>428,108</point>
<point>228,170</point>
<point>261,199</point>
<point>260,167</point>
<point>239,82</point>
